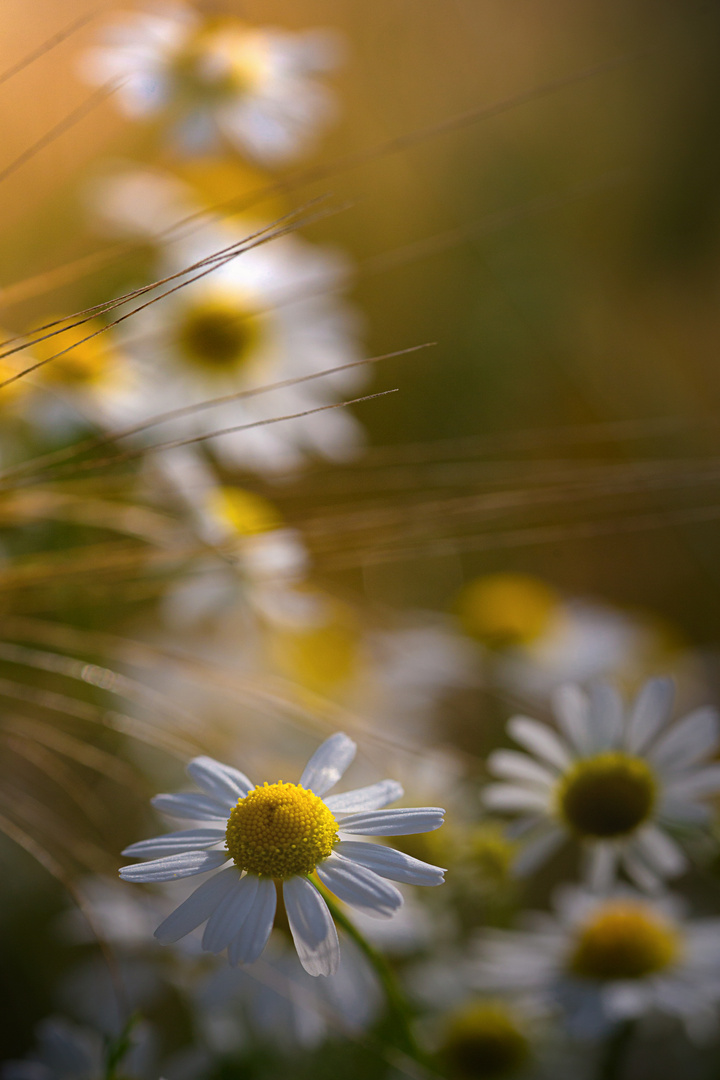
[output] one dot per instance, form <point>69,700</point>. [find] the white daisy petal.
<point>697,783</point>
<point>226,921</point>
<point>190,807</point>
<point>640,873</point>
<point>312,927</point>
<point>221,782</point>
<point>602,866</point>
<point>252,938</point>
<point>176,842</point>
<point>175,866</point>
<point>537,851</point>
<point>511,765</point>
<point>684,811</point>
<point>198,907</point>
<point>374,797</point>
<point>389,863</point>
<point>650,713</point>
<point>660,851</point>
<point>540,740</point>
<point>328,764</point>
<point>359,887</point>
<point>571,707</point>
<point>514,797</point>
<point>688,741</point>
<point>394,822</point>
<point>606,716</point>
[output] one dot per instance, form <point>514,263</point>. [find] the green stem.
<point>397,1005</point>
<point>117,1050</point>
<point>611,1059</point>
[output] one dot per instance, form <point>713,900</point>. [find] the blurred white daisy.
<point>218,81</point>
<point>270,314</point>
<point>614,780</point>
<point>282,833</point>
<point>276,1001</point>
<point>536,639</point>
<point>67,1051</point>
<point>609,958</point>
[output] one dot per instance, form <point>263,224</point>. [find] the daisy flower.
<point>276,836</point>
<point>614,780</point>
<point>272,313</point>
<point>278,1003</point>
<point>609,958</point>
<point>217,80</point>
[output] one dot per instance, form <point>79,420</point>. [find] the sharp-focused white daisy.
<point>276,836</point>
<point>218,81</point>
<point>612,957</point>
<point>270,314</point>
<point>614,780</point>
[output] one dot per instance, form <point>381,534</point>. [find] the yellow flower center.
<point>217,335</point>
<point>219,62</point>
<point>624,940</point>
<point>484,1041</point>
<point>503,610</point>
<point>245,512</point>
<point>280,830</point>
<point>88,363</point>
<point>608,795</point>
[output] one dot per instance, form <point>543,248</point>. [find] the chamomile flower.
<point>277,1002</point>
<point>271,314</point>
<point>614,780</point>
<point>276,836</point>
<point>608,958</point>
<point>485,1040</point>
<point>218,81</point>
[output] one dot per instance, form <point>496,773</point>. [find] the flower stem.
<point>613,1053</point>
<point>398,1007</point>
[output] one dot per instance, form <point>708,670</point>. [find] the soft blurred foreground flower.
<point>278,835</point>
<point>604,959</point>
<point>612,779</point>
<point>218,80</point>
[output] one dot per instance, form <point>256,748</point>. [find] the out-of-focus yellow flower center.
<point>244,511</point>
<point>503,610</point>
<point>485,1041</point>
<point>217,335</point>
<point>624,940</point>
<point>608,795</point>
<point>322,654</point>
<point>11,394</point>
<point>280,830</point>
<point>491,852</point>
<point>87,362</point>
<point>221,61</point>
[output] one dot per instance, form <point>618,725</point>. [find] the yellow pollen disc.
<point>624,940</point>
<point>485,1041</point>
<point>88,363</point>
<point>280,831</point>
<point>244,511</point>
<point>220,62</point>
<point>218,335</point>
<point>607,796</point>
<point>503,610</point>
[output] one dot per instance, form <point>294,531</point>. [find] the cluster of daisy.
<point>255,326</point>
